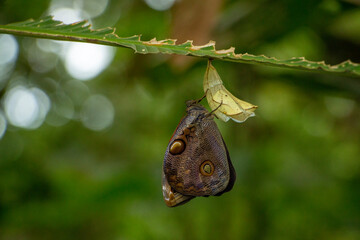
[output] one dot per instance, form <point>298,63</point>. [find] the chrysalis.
<point>217,95</point>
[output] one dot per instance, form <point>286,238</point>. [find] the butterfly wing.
<point>201,166</point>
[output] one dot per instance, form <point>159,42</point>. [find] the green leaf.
<point>82,32</point>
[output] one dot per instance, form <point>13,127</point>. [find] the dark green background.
<point>297,161</point>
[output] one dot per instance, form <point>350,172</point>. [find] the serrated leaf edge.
<point>207,50</point>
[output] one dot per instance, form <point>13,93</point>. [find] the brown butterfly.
<point>196,162</point>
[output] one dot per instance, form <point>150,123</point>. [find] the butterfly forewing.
<point>196,161</point>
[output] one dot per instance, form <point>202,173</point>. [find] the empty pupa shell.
<point>217,95</point>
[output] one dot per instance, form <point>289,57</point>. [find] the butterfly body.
<point>196,161</point>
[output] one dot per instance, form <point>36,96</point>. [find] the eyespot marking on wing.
<point>207,168</point>
<point>177,147</point>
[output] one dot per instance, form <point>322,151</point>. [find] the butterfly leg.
<point>211,113</point>
<point>196,101</point>
<point>199,100</point>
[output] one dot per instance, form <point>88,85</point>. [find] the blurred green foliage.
<point>297,161</point>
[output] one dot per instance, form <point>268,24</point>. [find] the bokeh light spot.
<point>51,46</point>
<point>82,61</point>
<point>41,61</point>
<point>160,5</point>
<point>26,108</point>
<point>97,113</point>
<point>95,7</point>
<point>85,61</point>
<point>78,91</point>
<point>3,124</point>
<point>339,107</point>
<point>62,110</point>
<point>66,15</point>
<point>8,49</point>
